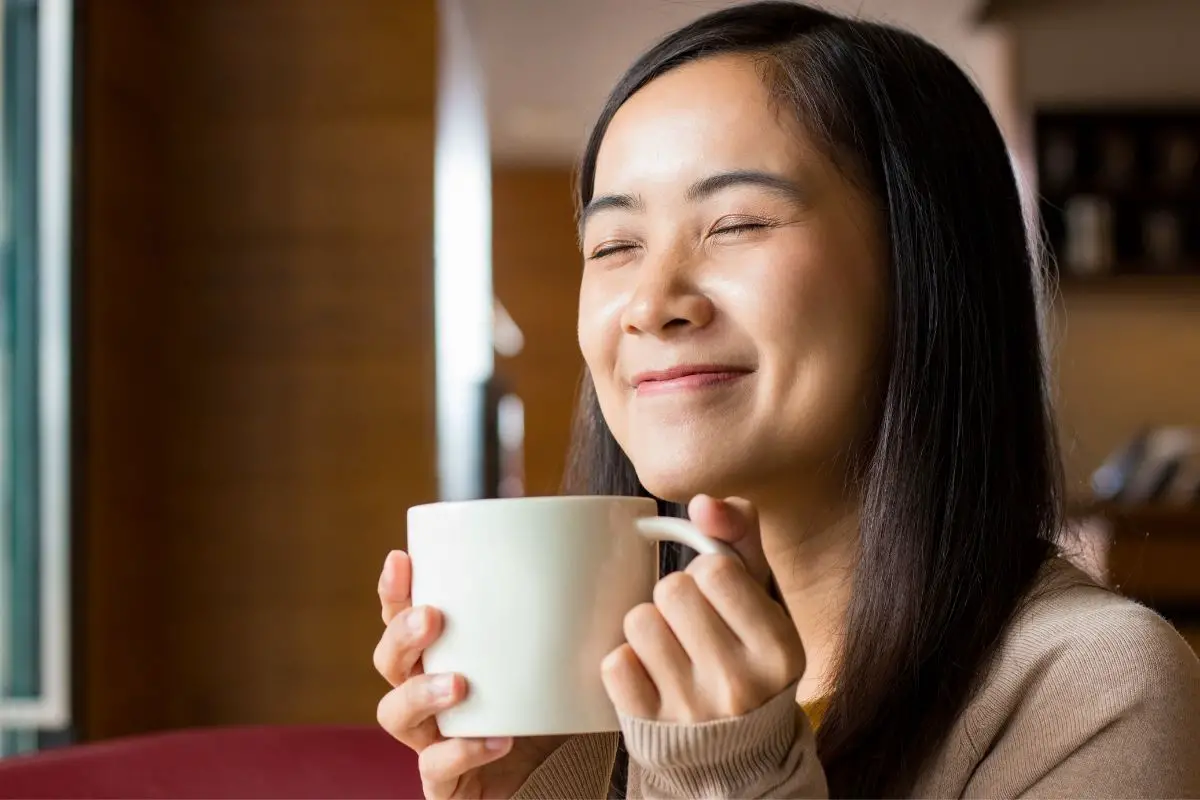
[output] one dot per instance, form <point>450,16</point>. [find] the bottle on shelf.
<point>1088,245</point>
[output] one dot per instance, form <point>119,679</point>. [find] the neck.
<point>811,554</point>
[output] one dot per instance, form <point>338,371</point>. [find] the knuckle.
<point>715,573</point>
<point>613,665</point>
<point>734,697</point>
<point>674,589</point>
<point>774,666</point>
<point>391,715</point>
<point>407,704</point>
<point>422,694</point>
<point>782,665</point>
<point>795,662</point>
<point>381,658</point>
<point>393,660</point>
<point>431,764</point>
<point>618,669</point>
<point>446,761</point>
<point>642,621</point>
<point>401,626</point>
<point>383,714</point>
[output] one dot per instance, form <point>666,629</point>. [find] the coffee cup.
<point>533,594</point>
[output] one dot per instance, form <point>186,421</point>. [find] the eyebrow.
<point>700,190</point>
<point>707,187</point>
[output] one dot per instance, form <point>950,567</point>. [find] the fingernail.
<point>416,622</point>
<point>442,687</point>
<point>496,745</point>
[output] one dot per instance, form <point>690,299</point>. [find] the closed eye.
<point>734,227</point>
<point>611,249</point>
<point>742,227</point>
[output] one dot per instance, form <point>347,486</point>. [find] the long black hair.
<point>959,484</point>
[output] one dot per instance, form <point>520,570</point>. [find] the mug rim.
<point>573,499</point>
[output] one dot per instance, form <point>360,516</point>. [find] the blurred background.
<point>272,271</point>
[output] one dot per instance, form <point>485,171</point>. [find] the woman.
<point>807,288</point>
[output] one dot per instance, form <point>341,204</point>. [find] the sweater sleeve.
<point>770,752</point>
<point>580,768</point>
<point>1113,713</point>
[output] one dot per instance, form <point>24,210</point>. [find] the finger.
<point>705,637</point>
<point>743,605</point>
<point>395,585</point>
<point>660,653</point>
<point>408,711</point>
<point>406,637</point>
<point>734,521</point>
<point>444,764</point>
<point>629,687</point>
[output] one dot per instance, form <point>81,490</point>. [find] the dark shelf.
<point>1122,181</point>
<point>1184,281</point>
<point>1159,519</point>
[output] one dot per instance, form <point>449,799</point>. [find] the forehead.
<point>708,115</point>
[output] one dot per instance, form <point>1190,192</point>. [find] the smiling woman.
<point>808,289</point>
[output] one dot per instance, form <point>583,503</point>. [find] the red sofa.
<point>299,762</point>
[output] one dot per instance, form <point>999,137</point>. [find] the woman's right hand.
<point>450,768</point>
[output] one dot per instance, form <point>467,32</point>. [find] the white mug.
<point>534,593</point>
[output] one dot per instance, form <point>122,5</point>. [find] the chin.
<point>679,484</point>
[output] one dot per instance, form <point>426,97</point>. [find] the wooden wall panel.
<point>536,270</point>
<point>120,615</point>
<point>294,392</point>
<point>301,382</point>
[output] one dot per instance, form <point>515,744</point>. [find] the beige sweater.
<point>1090,695</point>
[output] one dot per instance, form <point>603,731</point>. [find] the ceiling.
<point>548,64</point>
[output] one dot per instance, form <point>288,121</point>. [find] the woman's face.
<point>732,306</point>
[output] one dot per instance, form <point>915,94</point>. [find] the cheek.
<point>599,332</point>
<point>599,323</point>
<point>590,329</point>
<point>824,323</point>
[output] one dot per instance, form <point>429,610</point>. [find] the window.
<point>35,102</point>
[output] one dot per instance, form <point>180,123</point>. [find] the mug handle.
<point>680,531</point>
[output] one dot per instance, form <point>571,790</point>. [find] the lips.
<point>687,377</point>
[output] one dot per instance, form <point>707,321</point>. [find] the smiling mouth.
<point>686,378</point>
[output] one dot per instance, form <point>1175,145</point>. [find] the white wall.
<point>550,63</point>
<point>1109,52</point>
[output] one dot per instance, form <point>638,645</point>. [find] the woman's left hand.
<point>713,644</point>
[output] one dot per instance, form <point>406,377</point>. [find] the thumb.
<point>735,522</point>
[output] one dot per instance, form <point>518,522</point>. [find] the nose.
<point>666,299</point>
